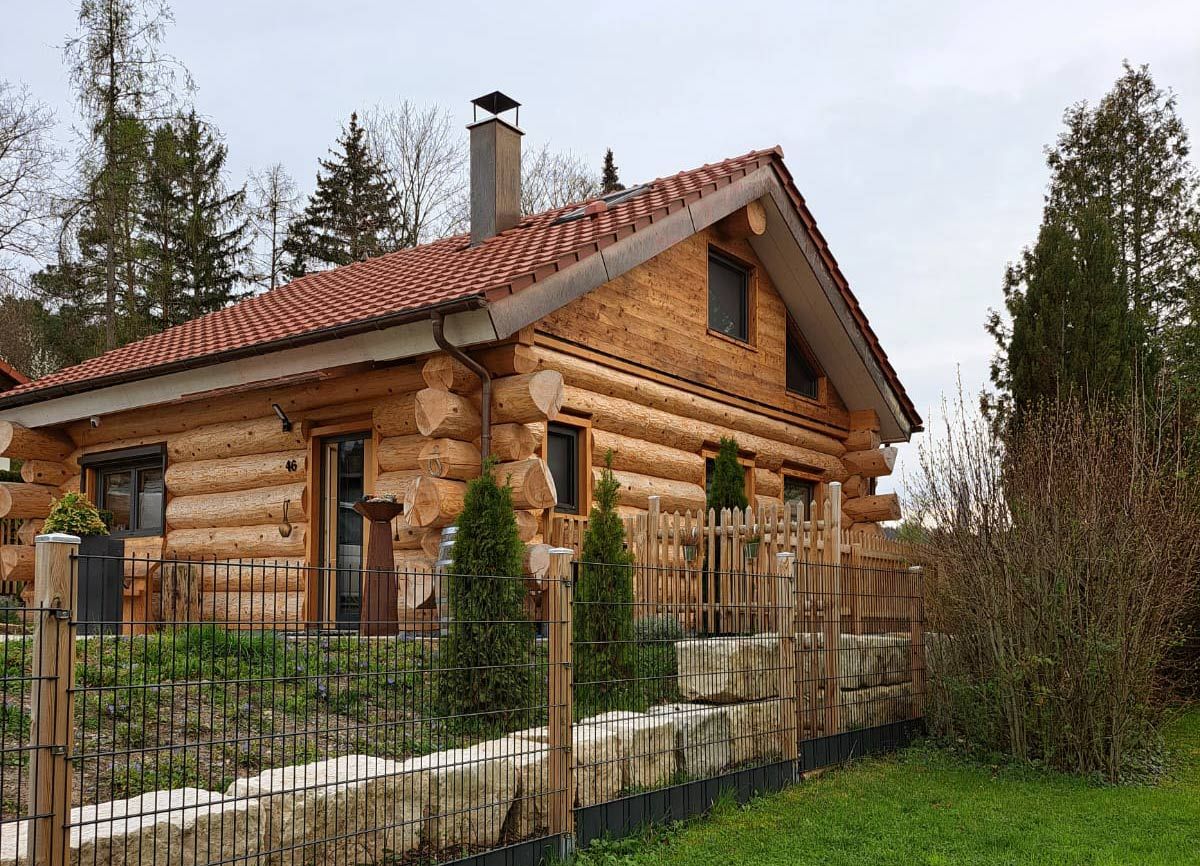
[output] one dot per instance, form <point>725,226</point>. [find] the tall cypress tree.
<point>604,604</point>
<point>486,679</point>
<point>609,181</point>
<point>727,485</point>
<point>354,213</point>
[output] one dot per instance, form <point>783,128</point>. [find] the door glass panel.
<point>345,465</point>
<point>150,499</point>
<point>116,492</point>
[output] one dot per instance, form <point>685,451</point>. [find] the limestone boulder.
<point>754,732</point>
<point>373,807</point>
<point>868,660</point>
<point>877,705</point>
<point>646,746</point>
<point>470,793</point>
<point>529,815</point>
<point>701,737</point>
<point>598,762</point>
<point>187,826</point>
<point>728,669</point>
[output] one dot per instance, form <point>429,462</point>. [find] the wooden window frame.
<point>794,332</point>
<point>751,341</point>
<point>95,464</point>
<point>820,490</point>
<point>584,467</point>
<point>315,486</point>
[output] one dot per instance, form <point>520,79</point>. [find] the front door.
<point>343,476</point>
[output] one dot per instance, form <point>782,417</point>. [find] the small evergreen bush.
<point>656,667</point>
<point>604,605</point>
<point>486,679</point>
<point>727,487</point>
<point>74,515</point>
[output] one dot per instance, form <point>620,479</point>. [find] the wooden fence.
<point>702,564</point>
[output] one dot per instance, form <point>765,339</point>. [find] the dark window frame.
<point>554,428</point>
<point>794,338</point>
<point>794,348</point>
<point>725,260</point>
<point>135,461</point>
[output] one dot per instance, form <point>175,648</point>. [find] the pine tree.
<point>604,604</point>
<point>609,182</point>
<point>727,486</point>
<point>353,214</point>
<point>486,682</point>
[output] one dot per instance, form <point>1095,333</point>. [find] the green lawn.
<point>924,806</point>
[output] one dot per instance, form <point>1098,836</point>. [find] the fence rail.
<point>264,739</point>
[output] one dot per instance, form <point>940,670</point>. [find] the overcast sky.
<point>915,130</point>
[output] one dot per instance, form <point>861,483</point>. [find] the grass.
<point>927,807</point>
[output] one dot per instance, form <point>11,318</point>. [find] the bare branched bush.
<point>1066,560</point>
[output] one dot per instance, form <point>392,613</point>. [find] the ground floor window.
<point>129,486</point>
<point>800,490</point>
<point>563,456</point>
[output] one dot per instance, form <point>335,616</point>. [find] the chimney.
<point>495,168</point>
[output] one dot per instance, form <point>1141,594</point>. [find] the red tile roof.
<point>333,302</point>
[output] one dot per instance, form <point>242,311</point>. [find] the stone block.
<point>187,826</point>
<point>470,793</point>
<point>728,669</point>
<point>701,737</point>
<point>372,807</point>
<point>877,705</point>
<point>647,746</point>
<point>597,754</point>
<point>528,817</point>
<point>754,732</point>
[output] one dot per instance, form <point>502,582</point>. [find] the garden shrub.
<point>1065,553</point>
<point>486,676</point>
<point>727,487</point>
<point>74,515</point>
<point>603,609</point>
<point>656,668</point>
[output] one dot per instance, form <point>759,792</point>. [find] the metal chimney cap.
<point>495,102</point>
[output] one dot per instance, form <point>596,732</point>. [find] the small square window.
<point>129,485</point>
<point>798,490</point>
<point>728,298</point>
<point>801,377</point>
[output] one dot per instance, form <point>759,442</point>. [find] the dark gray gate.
<point>101,571</point>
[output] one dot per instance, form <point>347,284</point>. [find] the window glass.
<point>801,378</point>
<point>150,499</point>
<point>798,490</point>
<point>562,458</point>
<point>728,307</point>
<point>116,495</point>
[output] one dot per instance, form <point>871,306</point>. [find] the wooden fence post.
<point>917,637</point>
<point>50,733</point>
<point>559,615</point>
<point>785,615</point>
<point>833,608</point>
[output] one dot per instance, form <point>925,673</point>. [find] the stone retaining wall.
<point>378,810</point>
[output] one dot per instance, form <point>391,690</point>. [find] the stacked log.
<point>43,454</point>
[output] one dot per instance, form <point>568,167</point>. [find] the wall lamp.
<point>283,418</point>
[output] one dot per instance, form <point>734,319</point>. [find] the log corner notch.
<point>873,509</point>
<point>24,443</point>
<point>745,222</point>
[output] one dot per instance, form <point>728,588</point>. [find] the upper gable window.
<point>801,377</point>
<point>728,297</point>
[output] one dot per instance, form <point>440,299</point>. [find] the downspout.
<point>485,384</point>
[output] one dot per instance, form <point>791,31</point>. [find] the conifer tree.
<point>609,181</point>
<point>727,486</point>
<point>604,604</point>
<point>486,680</point>
<point>353,214</point>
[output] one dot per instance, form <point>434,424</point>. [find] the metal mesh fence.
<point>219,724</point>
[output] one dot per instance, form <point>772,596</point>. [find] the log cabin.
<point>647,323</point>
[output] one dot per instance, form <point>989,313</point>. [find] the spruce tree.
<point>604,605</point>
<point>609,181</point>
<point>486,681</point>
<point>354,213</point>
<point>727,486</point>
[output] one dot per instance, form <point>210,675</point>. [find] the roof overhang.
<point>789,252</point>
<point>464,328</point>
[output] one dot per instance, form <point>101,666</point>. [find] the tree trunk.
<point>450,458</point>
<point>444,414</point>
<point>228,474</point>
<point>22,443</point>
<point>529,397</point>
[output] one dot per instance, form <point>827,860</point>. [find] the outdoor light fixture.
<point>284,419</point>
